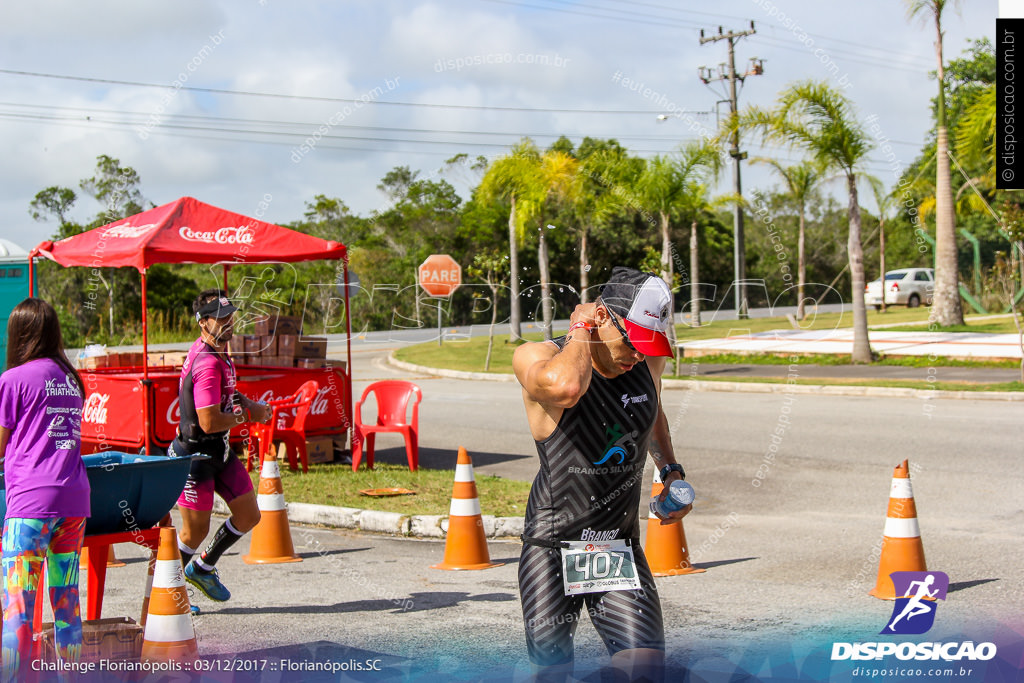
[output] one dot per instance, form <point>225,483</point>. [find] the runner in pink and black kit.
<point>210,407</point>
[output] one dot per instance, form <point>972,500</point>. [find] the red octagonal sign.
<point>440,275</point>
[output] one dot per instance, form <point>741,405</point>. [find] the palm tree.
<point>515,176</point>
<point>674,185</point>
<point>802,181</point>
<point>976,136</point>
<point>605,172</point>
<point>559,181</point>
<point>819,120</point>
<point>946,309</point>
<point>885,201</point>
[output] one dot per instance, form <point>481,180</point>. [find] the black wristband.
<point>674,467</point>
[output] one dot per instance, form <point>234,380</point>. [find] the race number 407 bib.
<point>596,567</point>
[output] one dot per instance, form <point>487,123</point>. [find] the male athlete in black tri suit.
<point>593,404</point>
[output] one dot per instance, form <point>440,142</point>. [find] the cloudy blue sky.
<point>215,99</point>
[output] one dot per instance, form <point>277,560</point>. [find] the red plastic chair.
<point>392,406</point>
<point>294,437</point>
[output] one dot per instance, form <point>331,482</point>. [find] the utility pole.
<point>727,72</point>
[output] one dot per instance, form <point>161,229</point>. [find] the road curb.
<point>381,522</point>
<point>768,387</point>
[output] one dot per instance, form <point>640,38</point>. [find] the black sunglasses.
<point>625,337</point>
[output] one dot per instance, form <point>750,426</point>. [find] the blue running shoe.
<point>194,610</point>
<point>208,583</point>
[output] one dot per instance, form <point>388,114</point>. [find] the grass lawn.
<point>469,355</point>
<point>336,484</point>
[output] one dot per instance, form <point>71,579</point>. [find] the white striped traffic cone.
<point>149,585</point>
<point>272,538</point>
<point>169,633</point>
<point>902,550</point>
<point>466,544</point>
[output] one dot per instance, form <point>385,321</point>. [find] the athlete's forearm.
<point>660,446</point>
<point>214,420</point>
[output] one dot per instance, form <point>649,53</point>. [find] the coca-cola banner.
<point>113,405</point>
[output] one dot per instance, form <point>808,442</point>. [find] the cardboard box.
<point>286,344</point>
<point>336,363</point>
<point>268,346</point>
<point>175,358</point>
<point>117,638</point>
<point>252,344</point>
<point>311,347</point>
<point>265,324</point>
<point>155,360</point>
<point>320,449</point>
<point>95,362</point>
<point>341,444</point>
<point>309,363</point>
<point>236,345</point>
<point>277,324</point>
<point>288,324</point>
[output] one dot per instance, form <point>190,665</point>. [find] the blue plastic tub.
<point>130,491</point>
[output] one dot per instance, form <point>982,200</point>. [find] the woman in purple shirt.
<point>47,488</point>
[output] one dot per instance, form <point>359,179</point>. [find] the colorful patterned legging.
<point>26,543</point>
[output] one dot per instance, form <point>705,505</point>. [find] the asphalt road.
<point>789,562</point>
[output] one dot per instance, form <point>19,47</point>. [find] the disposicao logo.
<point>913,613</point>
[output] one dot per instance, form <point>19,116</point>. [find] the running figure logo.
<point>914,611</point>
<point>616,442</point>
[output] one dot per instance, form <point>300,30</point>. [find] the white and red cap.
<point>644,303</point>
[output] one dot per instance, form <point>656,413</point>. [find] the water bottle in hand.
<point>680,494</point>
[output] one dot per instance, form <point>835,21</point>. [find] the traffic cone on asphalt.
<point>169,633</point>
<point>149,585</point>
<point>665,546</point>
<point>112,560</point>
<point>902,550</point>
<point>466,544</point>
<point>272,538</point>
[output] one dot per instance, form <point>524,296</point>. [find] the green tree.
<point>606,171</point>
<point>885,202</point>
<point>514,177</point>
<point>675,186</point>
<point>492,268</point>
<point>559,178</point>
<point>819,120</point>
<point>946,308</point>
<point>802,181</point>
<point>55,202</point>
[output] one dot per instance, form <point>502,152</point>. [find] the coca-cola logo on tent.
<point>226,235</point>
<point>129,231</point>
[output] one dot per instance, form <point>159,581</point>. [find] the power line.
<point>313,98</point>
<point>148,117</point>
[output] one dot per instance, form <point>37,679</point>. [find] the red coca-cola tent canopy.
<point>187,231</point>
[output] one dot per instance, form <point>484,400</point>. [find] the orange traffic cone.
<point>149,585</point>
<point>665,546</point>
<point>169,633</point>
<point>902,550</point>
<point>466,544</point>
<point>112,561</point>
<point>272,538</point>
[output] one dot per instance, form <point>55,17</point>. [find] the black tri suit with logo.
<point>588,489</point>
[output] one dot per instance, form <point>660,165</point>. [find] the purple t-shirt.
<point>42,407</point>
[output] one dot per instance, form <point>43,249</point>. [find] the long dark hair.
<point>33,331</point>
